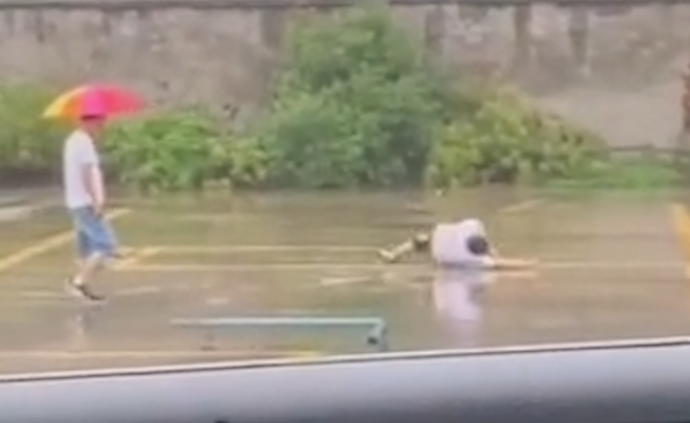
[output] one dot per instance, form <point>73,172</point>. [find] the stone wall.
<point>171,55</point>
<point>224,55</point>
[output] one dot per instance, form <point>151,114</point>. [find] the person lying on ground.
<point>462,244</point>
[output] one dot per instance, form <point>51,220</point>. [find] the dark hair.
<point>478,245</point>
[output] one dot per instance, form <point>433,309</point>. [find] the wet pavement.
<point>611,267</point>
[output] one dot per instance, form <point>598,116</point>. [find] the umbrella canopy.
<point>94,100</point>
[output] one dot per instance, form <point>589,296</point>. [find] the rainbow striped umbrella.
<point>94,101</point>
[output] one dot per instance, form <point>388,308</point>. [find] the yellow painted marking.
<point>46,244</point>
<point>127,251</point>
<point>144,354</point>
<point>681,224</point>
<point>521,206</point>
<point>562,265</point>
<point>133,258</point>
<point>213,217</point>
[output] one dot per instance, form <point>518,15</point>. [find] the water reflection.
<point>458,301</point>
<point>82,325</point>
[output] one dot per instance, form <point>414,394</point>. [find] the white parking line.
<point>340,266</point>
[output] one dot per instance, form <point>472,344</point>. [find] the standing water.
<point>611,267</point>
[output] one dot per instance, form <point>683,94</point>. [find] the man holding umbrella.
<point>85,196</point>
<point>84,188</point>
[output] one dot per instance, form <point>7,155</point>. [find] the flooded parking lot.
<point>612,266</point>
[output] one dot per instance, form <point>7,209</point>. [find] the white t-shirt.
<point>449,244</point>
<point>79,151</point>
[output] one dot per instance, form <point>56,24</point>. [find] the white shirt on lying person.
<point>449,244</point>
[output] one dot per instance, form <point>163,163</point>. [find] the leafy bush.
<point>357,105</point>
<point>180,151</point>
<point>640,173</point>
<point>506,140</point>
<point>354,106</point>
<point>28,144</point>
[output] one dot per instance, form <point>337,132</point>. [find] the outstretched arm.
<point>497,262</point>
<point>501,263</point>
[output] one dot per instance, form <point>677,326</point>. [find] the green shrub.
<point>29,145</point>
<point>181,150</point>
<point>505,140</point>
<point>642,173</point>
<point>353,107</point>
<point>357,104</point>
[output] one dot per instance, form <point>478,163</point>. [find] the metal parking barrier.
<point>376,327</point>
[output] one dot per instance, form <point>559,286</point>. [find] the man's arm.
<point>496,262</point>
<point>89,179</point>
<point>501,263</point>
<point>90,173</point>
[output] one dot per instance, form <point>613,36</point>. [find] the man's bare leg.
<point>87,271</point>
<point>397,252</point>
<point>401,250</point>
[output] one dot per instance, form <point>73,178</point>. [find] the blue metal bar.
<point>278,321</point>
<point>376,336</point>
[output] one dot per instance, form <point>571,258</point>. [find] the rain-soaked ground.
<point>611,267</point>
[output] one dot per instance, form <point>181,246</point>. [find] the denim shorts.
<point>93,234</point>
